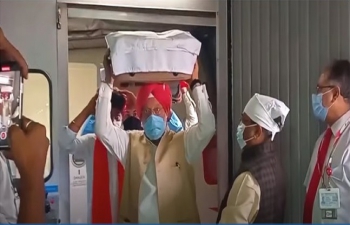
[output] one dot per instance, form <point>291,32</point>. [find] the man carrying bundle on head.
<point>158,181</point>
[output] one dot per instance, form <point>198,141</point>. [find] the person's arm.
<point>32,199</point>
<point>198,136</point>
<point>29,151</point>
<point>114,138</point>
<point>81,146</point>
<point>243,201</point>
<point>9,52</point>
<point>191,115</point>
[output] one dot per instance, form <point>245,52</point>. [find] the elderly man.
<point>258,193</point>
<point>159,183</point>
<point>83,146</point>
<point>327,181</point>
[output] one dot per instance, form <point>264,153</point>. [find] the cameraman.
<point>28,150</point>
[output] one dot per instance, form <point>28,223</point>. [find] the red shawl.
<point>101,201</point>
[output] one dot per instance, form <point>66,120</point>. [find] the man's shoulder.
<point>135,133</point>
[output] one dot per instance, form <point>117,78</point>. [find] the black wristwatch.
<point>194,82</point>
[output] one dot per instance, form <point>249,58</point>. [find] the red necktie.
<point>316,176</point>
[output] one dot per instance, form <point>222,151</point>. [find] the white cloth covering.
<point>146,51</point>
<point>263,110</point>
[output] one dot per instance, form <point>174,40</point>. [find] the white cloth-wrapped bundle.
<point>172,51</point>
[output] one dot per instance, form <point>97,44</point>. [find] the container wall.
<point>279,49</point>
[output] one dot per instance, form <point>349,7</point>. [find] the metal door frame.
<point>224,96</point>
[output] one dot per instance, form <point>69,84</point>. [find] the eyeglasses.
<point>155,111</point>
<point>319,88</point>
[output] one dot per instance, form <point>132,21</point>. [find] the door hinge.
<point>58,22</point>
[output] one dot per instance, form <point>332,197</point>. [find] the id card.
<point>329,198</point>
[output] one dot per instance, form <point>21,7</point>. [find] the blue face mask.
<point>320,111</point>
<point>154,127</point>
<point>89,126</point>
<point>175,123</point>
<point>240,132</point>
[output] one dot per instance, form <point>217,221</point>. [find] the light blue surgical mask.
<point>175,123</point>
<point>240,131</point>
<point>319,110</point>
<point>89,127</point>
<point>154,127</point>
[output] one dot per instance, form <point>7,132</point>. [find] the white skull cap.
<point>263,110</point>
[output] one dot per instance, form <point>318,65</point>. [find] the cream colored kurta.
<point>243,200</point>
<point>340,177</point>
<point>117,142</point>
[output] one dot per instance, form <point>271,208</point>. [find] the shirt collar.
<point>340,122</point>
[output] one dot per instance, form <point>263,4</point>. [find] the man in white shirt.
<point>159,183</point>
<point>328,178</point>
<point>83,146</point>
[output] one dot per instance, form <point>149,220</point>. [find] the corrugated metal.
<point>279,49</point>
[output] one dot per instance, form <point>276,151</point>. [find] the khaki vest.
<point>175,179</point>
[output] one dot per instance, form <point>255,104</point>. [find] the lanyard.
<point>328,167</point>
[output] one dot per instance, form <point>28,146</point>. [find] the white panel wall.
<point>82,86</point>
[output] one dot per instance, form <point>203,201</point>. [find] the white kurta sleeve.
<point>191,115</point>
<point>243,201</point>
<point>82,147</point>
<point>115,139</point>
<point>198,136</point>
